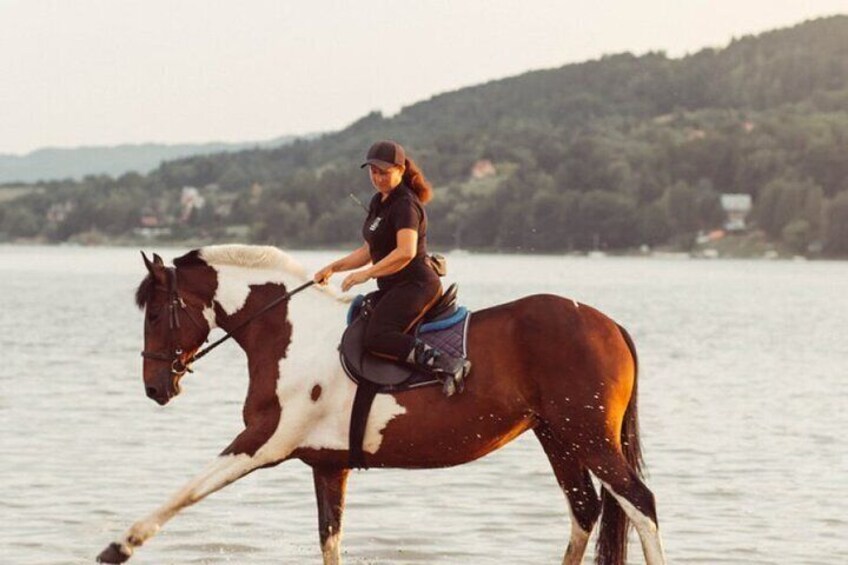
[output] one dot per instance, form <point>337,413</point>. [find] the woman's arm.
<point>401,255</point>
<point>358,258</point>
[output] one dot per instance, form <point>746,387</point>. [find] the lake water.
<point>743,389</point>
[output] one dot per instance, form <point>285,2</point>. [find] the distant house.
<point>224,204</point>
<point>58,212</point>
<point>149,220</point>
<point>152,232</point>
<point>736,207</point>
<point>482,169</point>
<point>190,200</point>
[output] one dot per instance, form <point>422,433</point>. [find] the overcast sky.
<point>104,72</point>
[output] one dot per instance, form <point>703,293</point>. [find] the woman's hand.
<point>353,279</point>
<point>323,275</point>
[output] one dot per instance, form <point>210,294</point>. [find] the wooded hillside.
<point>612,153</point>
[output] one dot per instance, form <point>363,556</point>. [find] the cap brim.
<point>380,164</point>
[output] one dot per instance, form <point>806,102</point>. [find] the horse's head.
<point>174,327</point>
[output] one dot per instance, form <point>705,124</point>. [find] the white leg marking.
<point>332,549</point>
<point>577,544</point>
<point>649,534</point>
<point>220,473</point>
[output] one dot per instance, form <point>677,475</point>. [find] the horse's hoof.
<point>113,554</point>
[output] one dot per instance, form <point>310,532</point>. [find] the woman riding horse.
<point>395,234</point>
<point>542,362</point>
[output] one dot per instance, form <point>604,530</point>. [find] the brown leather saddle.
<point>390,376</point>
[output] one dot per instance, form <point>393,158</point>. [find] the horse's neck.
<point>317,321</point>
<point>317,324</point>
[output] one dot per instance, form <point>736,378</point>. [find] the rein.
<point>267,307</point>
<point>180,367</point>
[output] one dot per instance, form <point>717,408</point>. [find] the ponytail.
<point>414,179</point>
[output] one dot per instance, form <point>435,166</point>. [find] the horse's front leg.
<point>230,466</point>
<point>330,485</point>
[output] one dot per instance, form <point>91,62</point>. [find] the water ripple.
<point>742,402</point>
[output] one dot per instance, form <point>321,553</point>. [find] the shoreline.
<point>701,254</point>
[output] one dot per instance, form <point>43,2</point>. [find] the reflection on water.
<point>742,400</point>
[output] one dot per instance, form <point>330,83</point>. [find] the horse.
<point>543,363</point>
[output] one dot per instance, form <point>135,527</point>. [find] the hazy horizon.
<point>97,73</point>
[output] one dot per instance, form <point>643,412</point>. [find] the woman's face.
<point>385,180</point>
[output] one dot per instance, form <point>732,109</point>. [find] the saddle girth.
<point>366,391</point>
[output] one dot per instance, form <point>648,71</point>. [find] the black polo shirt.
<point>401,210</point>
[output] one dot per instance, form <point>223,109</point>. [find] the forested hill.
<point>76,162</point>
<point>612,153</point>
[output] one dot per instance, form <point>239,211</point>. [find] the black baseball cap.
<point>385,154</point>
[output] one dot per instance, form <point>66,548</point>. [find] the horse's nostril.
<point>151,391</point>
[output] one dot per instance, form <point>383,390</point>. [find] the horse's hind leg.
<point>330,485</point>
<point>575,482</point>
<point>637,501</point>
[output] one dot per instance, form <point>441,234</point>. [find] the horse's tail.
<point>612,537</point>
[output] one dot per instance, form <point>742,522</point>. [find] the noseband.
<point>175,303</point>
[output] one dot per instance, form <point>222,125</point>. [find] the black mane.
<point>144,291</point>
<point>190,259</point>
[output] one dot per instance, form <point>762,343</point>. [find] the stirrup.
<point>450,371</point>
<point>453,383</point>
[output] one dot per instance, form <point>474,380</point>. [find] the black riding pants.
<point>398,309</point>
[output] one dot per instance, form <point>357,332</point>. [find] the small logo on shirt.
<point>375,224</point>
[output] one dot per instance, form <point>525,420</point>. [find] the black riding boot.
<point>450,370</point>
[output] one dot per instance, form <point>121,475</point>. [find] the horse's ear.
<point>147,263</point>
<point>156,268</point>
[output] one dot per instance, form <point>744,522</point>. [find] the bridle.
<point>174,304</point>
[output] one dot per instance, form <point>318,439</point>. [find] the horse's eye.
<point>153,318</point>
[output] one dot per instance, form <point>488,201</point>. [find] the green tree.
<point>653,224</point>
<point>20,221</point>
<point>482,224</point>
<point>681,206</point>
<point>710,212</point>
<point>341,226</point>
<point>117,213</point>
<point>608,220</point>
<point>784,200</point>
<point>836,225</point>
<point>797,235</point>
<point>235,177</point>
<point>546,223</point>
<point>284,224</point>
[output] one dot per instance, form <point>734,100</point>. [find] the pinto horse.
<point>541,363</point>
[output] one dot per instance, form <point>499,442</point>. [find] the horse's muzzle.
<point>165,387</point>
<point>153,393</point>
